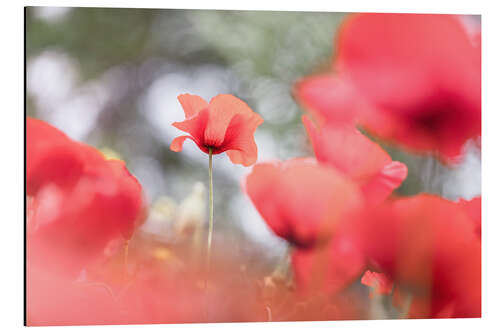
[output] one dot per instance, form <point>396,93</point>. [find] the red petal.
<point>473,209</point>
<point>427,244</point>
<point>239,139</point>
<point>300,201</point>
<point>222,110</point>
<point>195,126</point>
<point>389,55</point>
<point>71,222</point>
<point>51,157</point>
<point>259,184</point>
<point>347,150</point>
<point>178,142</point>
<point>330,99</point>
<point>330,268</point>
<point>130,197</point>
<point>421,72</point>
<point>192,104</point>
<point>387,180</point>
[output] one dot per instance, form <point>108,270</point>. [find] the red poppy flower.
<point>428,91</point>
<point>359,158</point>
<point>428,247</point>
<point>410,78</point>
<point>301,201</point>
<point>78,201</point>
<point>224,124</point>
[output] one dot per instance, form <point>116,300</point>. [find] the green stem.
<point>210,230</point>
<point>211,207</point>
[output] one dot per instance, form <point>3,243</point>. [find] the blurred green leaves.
<point>97,37</point>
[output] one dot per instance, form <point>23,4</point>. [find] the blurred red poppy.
<point>365,162</point>
<point>79,202</point>
<point>330,268</point>
<point>300,200</point>
<point>428,91</point>
<point>428,247</point>
<point>409,78</point>
<point>51,157</point>
<point>225,124</point>
<point>330,99</point>
<point>473,209</point>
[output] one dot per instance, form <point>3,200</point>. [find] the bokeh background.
<point>110,77</point>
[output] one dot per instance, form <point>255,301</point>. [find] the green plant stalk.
<point>211,208</point>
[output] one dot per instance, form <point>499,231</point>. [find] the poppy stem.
<point>211,208</point>
<point>210,230</point>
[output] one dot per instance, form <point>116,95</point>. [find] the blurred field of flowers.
<point>364,201</point>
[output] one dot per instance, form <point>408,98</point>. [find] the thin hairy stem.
<point>210,231</point>
<point>211,208</point>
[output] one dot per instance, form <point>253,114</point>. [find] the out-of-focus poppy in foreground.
<point>300,200</point>
<point>431,250</point>
<point>80,205</point>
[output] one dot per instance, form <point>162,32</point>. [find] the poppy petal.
<point>422,73</point>
<point>301,202</point>
<point>330,268</point>
<point>376,52</point>
<point>178,142</point>
<point>347,150</point>
<point>239,139</point>
<point>427,244</point>
<point>80,201</point>
<point>332,195</point>
<point>195,126</point>
<point>330,98</point>
<point>192,104</point>
<point>473,209</point>
<point>222,110</point>
<point>258,185</point>
<point>51,157</point>
<point>381,186</point>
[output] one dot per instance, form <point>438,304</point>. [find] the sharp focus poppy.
<point>301,201</point>
<point>225,124</point>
